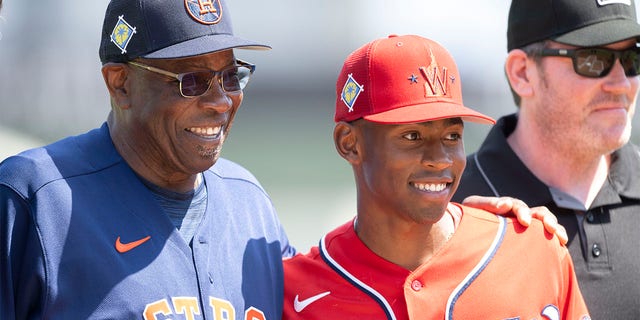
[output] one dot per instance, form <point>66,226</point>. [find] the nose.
<point>616,81</point>
<point>216,99</point>
<point>435,156</point>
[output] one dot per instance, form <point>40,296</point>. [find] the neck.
<point>145,166</point>
<point>405,243</point>
<point>576,172</point>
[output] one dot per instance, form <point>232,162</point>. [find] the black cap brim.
<point>600,34</point>
<point>204,45</point>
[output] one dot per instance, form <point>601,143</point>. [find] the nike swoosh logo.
<point>124,247</point>
<point>300,305</point>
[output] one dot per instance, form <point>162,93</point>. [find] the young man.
<point>410,253</point>
<point>140,218</point>
<point>573,68</point>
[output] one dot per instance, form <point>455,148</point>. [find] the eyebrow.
<point>454,121</point>
<point>448,121</point>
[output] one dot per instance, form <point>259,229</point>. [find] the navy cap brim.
<point>600,34</point>
<point>204,45</point>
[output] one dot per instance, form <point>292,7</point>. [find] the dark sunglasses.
<point>598,62</point>
<point>193,84</point>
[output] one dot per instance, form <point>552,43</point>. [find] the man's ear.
<point>345,137</point>
<point>115,76</point>
<point>518,68</point>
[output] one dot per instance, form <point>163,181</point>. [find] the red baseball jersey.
<point>491,268</point>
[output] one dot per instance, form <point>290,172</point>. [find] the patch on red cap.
<point>351,91</point>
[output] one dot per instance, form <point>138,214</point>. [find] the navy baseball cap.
<point>167,29</point>
<point>581,23</point>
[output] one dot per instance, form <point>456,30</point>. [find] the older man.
<point>140,218</point>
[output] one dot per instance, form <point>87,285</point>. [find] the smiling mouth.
<point>206,132</point>
<point>430,187</point>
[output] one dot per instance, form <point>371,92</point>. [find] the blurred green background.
<point>51,86</point>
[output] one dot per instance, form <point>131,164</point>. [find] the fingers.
<point>522,211</point>
<point>502,206</point>
<point>512,206</point>
<point>492,204</point>
<point>550,222</point>
<point>561,233</point>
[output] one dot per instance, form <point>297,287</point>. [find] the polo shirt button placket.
<point>590,217</point>
<point>595,250</point>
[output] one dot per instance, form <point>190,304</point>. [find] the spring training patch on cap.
<point>204,11</point>
<point>350,92</point>
<point>122,34</point>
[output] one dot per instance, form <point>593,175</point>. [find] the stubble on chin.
<point>209,153</point>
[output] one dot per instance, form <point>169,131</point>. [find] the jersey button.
<point>416,285</point>
<point>595,250</point>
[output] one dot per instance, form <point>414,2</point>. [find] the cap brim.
<point>205,45</point>
<point>429,112</point>
<point>602,33</point>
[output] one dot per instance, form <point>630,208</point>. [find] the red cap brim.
<point>429,112</point>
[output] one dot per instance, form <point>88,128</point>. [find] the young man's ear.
<point>345,138</point>
<point>115,77</point>
<point>518,68</point>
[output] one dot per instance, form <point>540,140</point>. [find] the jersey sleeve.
<point>574,305</point>
<point>287,249</point>
<point>21,265</point>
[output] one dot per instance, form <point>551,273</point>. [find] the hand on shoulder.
<point>514,207</point>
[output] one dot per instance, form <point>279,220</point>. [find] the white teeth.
<point>432,187</point>
<point>208,131</point>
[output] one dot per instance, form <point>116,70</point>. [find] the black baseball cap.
<point>581,23</point>
<point>166,29</point>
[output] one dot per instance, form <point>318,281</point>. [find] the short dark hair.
<point>533,51</point>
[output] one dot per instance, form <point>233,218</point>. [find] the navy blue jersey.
<point>83,238</point>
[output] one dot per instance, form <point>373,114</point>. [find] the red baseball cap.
<point>401,79</point>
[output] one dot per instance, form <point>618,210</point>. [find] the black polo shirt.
<point>604,240</point>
